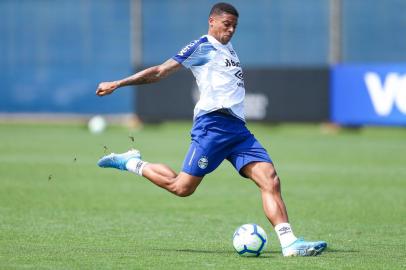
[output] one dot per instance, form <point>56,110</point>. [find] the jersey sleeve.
<point>196,53</point>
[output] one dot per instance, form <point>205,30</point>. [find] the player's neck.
<point>217,39</point>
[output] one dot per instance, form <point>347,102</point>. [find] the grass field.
<point>58,210</point>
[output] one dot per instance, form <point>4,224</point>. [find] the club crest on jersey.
<point>203,162</point>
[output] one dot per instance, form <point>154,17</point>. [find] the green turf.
<point>58,210</point>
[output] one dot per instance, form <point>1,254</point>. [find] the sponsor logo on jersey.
<point>231,63</point>
<point>232,52</point>
<point>203,162</point>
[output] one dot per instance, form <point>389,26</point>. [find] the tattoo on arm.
<point>152,74</point>
<point>145,76</point>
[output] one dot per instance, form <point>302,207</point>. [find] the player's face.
<point>222,27</point>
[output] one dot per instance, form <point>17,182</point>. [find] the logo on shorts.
<point>203,162</point>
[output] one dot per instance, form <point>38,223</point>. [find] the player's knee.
<point>272,183</point>
<point>276,183</point>
<point>184,185</point>
<point>184,192</point>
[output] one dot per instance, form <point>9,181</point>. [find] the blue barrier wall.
<point>53,54</point>
<point>368,94</point>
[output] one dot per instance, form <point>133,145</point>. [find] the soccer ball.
<point>97,124</point>
<point>250,240</point>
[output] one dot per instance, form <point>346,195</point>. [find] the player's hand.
<point>106,88</point>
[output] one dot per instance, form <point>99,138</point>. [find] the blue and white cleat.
<point>118,161</point>
<point>303,248</point>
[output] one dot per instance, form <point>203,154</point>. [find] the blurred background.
<point>305,62</point>
<point>340,61</point>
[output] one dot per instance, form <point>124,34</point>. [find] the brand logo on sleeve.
<point>187,47</point>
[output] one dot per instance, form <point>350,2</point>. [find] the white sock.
<point>135,165</point>
<point>285,234</point>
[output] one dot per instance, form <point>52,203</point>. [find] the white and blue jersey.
<point>219,131</point>
<point>218,74</point>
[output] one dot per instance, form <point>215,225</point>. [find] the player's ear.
<point>211,21</point>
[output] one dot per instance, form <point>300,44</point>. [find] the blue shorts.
<point>217,136</point>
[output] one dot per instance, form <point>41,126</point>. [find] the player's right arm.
<point>149,75</point>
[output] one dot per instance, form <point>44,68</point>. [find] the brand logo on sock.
<point>138,167</point>
<point>284,230</point>
<point>203,162</point>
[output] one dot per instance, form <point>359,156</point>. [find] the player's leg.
<point>252,161</point>
<point>198,162</point>
<point>161,175</point>
<point>265,177</point>
<point>204,156</point>
<point>181,184</point>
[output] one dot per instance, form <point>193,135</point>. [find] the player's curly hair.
<point>222,7</point>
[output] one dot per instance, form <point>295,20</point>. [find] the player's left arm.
<point>149,75</point>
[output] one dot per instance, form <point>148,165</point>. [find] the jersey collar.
<point>213,40</point>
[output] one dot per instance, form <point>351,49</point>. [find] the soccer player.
<point>219,131</point>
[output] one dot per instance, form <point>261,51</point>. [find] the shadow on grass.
<point>194,251</point>
<point>263,255</point>
<point>266,254</point>
<point>329,250</point>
